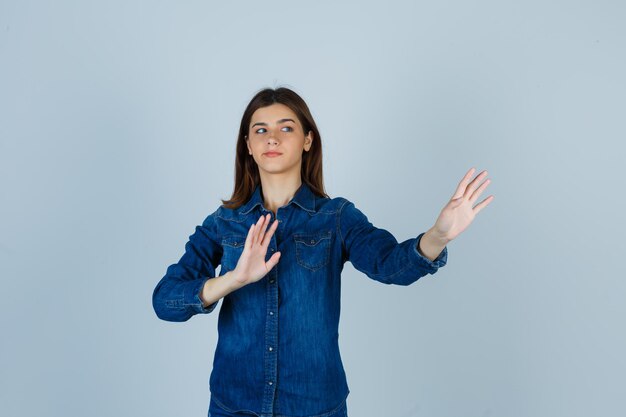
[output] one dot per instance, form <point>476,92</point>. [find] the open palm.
<point>251,265</point>
<point>460,211</point>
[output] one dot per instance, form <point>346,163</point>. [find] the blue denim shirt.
<point>277,351</point>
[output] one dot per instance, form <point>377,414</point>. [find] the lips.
<point>272,153</point>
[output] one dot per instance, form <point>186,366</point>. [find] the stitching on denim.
<point>328,414</point>
<point>339,221</point>
<point>327,211</point>
<point>234,240</point>
<point>342,404</point>
<point>175,304</point>
<point>230,250</point>
<point>221,405</point>
<point>232,219</point>
<point>323,236</point>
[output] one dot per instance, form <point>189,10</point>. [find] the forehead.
<point>272,113</point>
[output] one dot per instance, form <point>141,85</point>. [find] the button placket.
<point>272,323</point>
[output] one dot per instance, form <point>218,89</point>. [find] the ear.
<point>248,145</point>
<point>308,140</point>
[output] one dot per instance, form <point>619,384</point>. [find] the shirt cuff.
<point>192,297</point>
<point>421,261</point>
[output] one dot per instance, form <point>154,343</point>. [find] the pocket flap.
<point>312,239</point>
<point>236,241</point>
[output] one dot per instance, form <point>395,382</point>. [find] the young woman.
<point>282,243</point>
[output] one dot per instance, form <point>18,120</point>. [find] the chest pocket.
<point>233,247</point>
<point>313,249</point>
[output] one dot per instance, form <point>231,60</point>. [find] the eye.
<point>262,128</point>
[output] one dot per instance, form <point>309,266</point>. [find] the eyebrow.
<point>278,121</point>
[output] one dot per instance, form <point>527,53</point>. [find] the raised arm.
<point>377,253</point>
<point>177,295</point>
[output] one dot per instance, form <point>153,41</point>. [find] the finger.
<point>257,229</point>
<point>460,189</point>
<point>479,191</point>
<point>474,184</point>
<point>248,242</point>
<point>270,232</point>
<point>266,220</point>
<point>483,204</point>
<point>253,233</point>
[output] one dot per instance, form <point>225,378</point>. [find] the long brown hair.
<point>246,169</point>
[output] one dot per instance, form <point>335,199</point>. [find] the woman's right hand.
<point>251,266</point>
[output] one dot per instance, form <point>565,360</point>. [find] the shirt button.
<point>271,348</point>
<point>312,241</point>
<point>272,249</point>
<point>270,382</point>
<point>271,313</point>
<point>271,281</point>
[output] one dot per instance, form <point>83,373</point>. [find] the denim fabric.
<point>215,410</point>
<point>277,351</point>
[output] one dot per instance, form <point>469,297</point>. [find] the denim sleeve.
<point>377,253</point>
<point>177,295</point>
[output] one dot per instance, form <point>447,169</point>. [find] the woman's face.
<point>276,128</point>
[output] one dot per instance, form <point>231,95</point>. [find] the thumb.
<point>271,262</point>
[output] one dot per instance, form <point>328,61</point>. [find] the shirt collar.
<point>304,198</point>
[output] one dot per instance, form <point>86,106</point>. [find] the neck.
<point>277,192</point>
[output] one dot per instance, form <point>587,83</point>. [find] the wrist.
<point>431,244</point>
<point>437,237</point>
<point>231,278</point>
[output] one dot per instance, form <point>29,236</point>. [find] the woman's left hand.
<point>458,214</point>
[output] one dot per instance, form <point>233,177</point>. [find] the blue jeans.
<point>216,411</point>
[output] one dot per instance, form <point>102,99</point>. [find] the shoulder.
<point>349,215</point>
<point>223,221</point>
<point>221,214</point>
<point>344,210</point>
<point>209,220</point>
<point>330,205</point>
<point>225,214</point>
<point>344,206</point>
